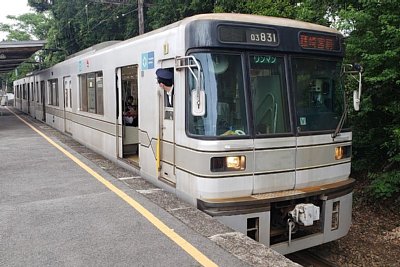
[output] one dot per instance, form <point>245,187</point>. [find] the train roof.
<point>258,19</point>
<point>94,48</point>
<point>246,18</point>
<point>233,17</point>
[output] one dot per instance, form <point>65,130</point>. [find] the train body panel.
<point>259,154</point>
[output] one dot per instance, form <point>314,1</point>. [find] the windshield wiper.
<point>339,127</point>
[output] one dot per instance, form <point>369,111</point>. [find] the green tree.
<point>41,5</point>
<point>315,11</point>
<point>78,24</point>
<point>231,6</point>
<point>29,26</point>
<point>164,12</point>
<point>26,27</point>
<point>374,40</point>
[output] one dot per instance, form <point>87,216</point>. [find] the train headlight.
<point>231,163</point>
<point>342,152</point>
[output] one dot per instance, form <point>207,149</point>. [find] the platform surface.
<point>53,212</point>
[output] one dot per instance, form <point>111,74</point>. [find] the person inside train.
<point>129,101</point>
<point>165,79</point>
<point>130,113</point>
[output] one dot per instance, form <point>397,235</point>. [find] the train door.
<point>128,82</point>
<point>37,105</point>
<point>167,131</point>
<point>21,95</point>
<point>67,102</point>
<point>43,99</point>
<point>32,105</point>
<point>29,98</point>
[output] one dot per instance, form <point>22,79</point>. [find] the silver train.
<point>256,136</point>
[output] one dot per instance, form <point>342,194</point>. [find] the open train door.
<point>118,113</point>
<point>167,130</point>
<point>128,135</point>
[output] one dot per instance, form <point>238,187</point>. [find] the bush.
<point>385,185</point>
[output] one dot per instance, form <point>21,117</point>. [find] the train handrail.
<point>191,62</point>
<point>188,65</point>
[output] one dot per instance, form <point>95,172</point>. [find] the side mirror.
<point>356,100</point>
<point>357,95</point>
<point>198,96</point>
<point>198,102</point>
<point>356,73</point>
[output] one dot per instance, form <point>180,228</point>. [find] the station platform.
<point>63,205</point>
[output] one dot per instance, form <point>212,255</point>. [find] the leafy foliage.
<point>374,41</point>
<point>164,12</point>
<point>305,10</point>
<point>385,185</point>
<point>26,27</point>
<point>80,24</point>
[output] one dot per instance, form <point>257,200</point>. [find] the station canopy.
<point>13,53</point>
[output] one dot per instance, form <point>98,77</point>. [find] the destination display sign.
<point>248,35</point>
<point>311,40</point>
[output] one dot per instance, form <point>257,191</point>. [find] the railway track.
<point>310,259</point>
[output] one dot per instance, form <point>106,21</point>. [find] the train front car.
<point>265,119</point>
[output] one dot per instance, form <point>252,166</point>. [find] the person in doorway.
<point>130,114</point>
<point>129,101</point>
<point>165,79</point>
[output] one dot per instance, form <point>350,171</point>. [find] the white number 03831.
<point>263,37</point>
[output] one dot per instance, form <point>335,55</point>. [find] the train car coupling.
<point>305,214</point>
<point>302,214</point>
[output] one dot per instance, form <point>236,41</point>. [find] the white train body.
<point>269,78</point>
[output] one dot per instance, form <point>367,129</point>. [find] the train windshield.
<point>224,87</point>
<point>268,88</point>
<point>319,94</point>
<point>317,87</point>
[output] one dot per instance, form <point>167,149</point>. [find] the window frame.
<point>91,101</point>
<point>53,94</point>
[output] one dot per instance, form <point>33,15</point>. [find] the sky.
<point>14,7</point>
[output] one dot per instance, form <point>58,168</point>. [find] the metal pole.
<point>140,16</point>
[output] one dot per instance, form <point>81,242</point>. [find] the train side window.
<point>83,104</point>
<point>42,92</point>
<point>52,86</point>
<point>91,87</point>
<point>37,92</point>
<point>99,93</point>
<point>91,92</point>
<point>29,89</point>
<point>32,92</point>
